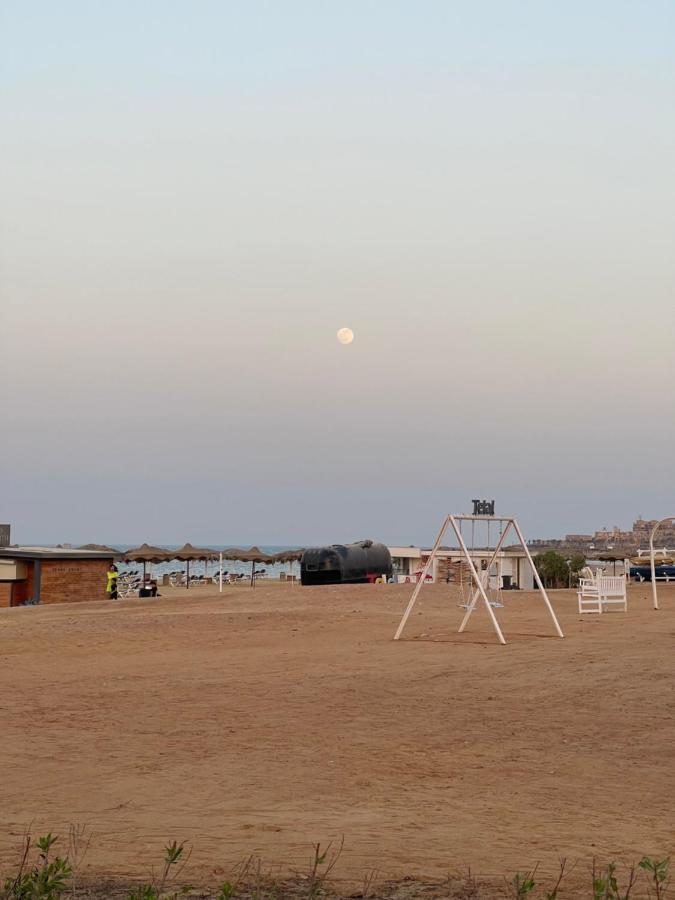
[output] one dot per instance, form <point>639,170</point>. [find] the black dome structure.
<point>345,563</point>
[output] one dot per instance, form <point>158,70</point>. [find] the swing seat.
<point>495,604</point>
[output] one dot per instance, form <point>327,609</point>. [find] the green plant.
<point>606,885</point>
<point>145,892</point>
<point>173,854</point>
<point>247,879</point>
<point>523,883</point>
<point>552,568</point>
<point>577,562</point>
<point>48,879</point>
<point>321,865</point>
<point>657,871</point>
<point>555,571</point>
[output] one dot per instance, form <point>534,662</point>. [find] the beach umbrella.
<point>187,553</point>
<point>234,554</point>
<point>253,555</point>
<point>288,556</point>
<point>146,553</point>
<point>256,555</point>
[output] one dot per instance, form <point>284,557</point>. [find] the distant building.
<point>511,567</point>
<point>637,538</point>
<point>614,539</point>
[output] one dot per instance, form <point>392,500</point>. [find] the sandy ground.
<point>261,721</point>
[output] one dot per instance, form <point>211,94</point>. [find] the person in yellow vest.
<point>111,588</point>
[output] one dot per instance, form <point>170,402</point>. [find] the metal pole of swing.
<point>652,566</point>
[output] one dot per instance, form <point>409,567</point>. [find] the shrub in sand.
<point>43,875</point>
<point>45,878</point>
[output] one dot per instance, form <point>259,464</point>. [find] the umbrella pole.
<point>143,570</point>
<point>187,573</point>
<point>220,575</point>
<point>253,574</point>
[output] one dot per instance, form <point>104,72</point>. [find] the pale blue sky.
<point>196,196</point>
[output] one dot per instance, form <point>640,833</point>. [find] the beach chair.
<point>128,585</point>
<point>588,595</point>
<point>601,591</point>
<point>613,591</point>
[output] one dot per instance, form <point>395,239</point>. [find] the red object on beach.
<point>419,574</point>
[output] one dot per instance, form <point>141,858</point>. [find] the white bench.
<point>601,591</point>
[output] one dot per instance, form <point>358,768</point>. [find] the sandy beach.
<point>260,721</point>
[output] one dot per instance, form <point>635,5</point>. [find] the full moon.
<point>345,335</point>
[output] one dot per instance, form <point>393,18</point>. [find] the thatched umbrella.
<point>147,554</point>
<point>187,553</point>
<point>288,556</point>
<point>254,555</point>
<point>102,548</point>
<point>234,554</point>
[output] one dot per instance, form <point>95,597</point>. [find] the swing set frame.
<point>481,581</point>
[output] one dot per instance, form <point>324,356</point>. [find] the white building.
<point>510,569</point>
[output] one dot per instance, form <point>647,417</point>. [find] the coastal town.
<point>621,542</point>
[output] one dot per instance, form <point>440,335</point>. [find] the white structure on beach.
<point>511,567</point>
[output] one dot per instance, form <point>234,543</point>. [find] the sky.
<point>197,195</point>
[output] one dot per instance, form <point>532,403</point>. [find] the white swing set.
<point>480,583</point>
<point>495,595</point>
